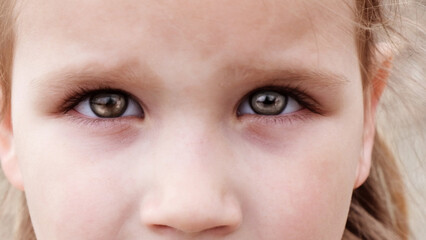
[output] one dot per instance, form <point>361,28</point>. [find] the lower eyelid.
<point>284,119</point>
<point>107,125</point>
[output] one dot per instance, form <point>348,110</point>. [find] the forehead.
<point>190,23</point>
<point>54,34</point>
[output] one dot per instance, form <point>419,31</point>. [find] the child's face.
<point>193,155</point>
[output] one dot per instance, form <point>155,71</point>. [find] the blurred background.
<point>402,113</point>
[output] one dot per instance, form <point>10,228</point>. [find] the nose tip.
<point>190,215</point>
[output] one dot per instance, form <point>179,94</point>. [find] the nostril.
<point>222,230</point>
<point>168,219</point>
<point>160,227</point>
<point>164,229</point>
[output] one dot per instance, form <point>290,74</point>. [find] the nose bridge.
<point>190,138</point>
<point>192,193</point>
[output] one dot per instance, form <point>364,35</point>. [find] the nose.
<point>193,210</point>
<point>192,194</point>
<point>192,205</point>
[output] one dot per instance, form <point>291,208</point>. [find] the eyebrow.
<point>91,75</point>
<point>314,78</point>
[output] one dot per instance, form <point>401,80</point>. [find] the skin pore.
<point>187,161</point>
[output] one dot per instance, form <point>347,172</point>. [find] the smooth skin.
<point>187,162</point>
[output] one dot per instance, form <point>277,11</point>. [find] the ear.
<point>379,82</point>
<point>9,162</point>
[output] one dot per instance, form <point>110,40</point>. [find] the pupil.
<point>268,103</point>
<point>269,100</point>
<point>110,102</point>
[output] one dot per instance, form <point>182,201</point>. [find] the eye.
<point>267,102</point>
<point>108,104</point>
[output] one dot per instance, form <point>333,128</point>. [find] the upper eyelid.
<point>141,78</point>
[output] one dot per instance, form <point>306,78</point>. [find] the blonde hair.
<point>378,208</point>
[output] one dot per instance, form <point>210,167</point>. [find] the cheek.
<point>74,191</point>
<point>304,187</point>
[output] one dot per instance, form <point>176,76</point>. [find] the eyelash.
<point>297,93</point>
<point>75,96</point>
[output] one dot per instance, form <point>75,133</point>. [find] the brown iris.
<point>108,105</point>
<point>268,102</point>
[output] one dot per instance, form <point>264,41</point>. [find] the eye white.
<point>132,109</point>
<point>292,106</point>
